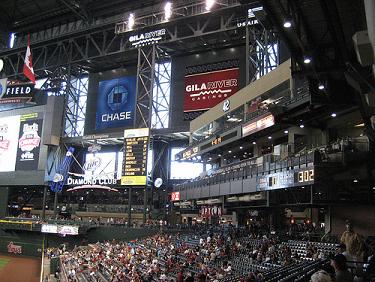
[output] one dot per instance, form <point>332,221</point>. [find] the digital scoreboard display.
<point>134,170</point>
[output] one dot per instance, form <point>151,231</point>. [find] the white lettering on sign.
<point>18,90</point>
<point>211,87</point>
<point>116,116</point>
<point>147,38</point>
<point>82,181</point>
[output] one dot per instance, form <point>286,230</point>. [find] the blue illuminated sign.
<point>116,103</point>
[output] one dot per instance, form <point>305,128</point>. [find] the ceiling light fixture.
<point>287,23</point>
<point>168,11</point>
<point>321,86</point>
<point>209,4</point>
<point>131,21</point>
<point>306,60</point>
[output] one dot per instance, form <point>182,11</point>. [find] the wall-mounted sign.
<point>9,132</point>
<point>134,170</point>
<point>92,164</point>
<point>147,38</point>
<point>257,125</point>
<point>17,93</point>
<point>226,105</point>
<point>205,90</point>
<point>285,179</point>
<point>67,230</point>
<point>209,211</point>
<point>14,249</point>
<point>29,141</point>
<point>94,176</point>
<point>92,181</point>
<point>116,103</point>
<point>175,196</point>
<point>219,140</point>
<point>49,228</point>
<point>190,153</point>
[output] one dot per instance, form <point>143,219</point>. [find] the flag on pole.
<point>28,70</point>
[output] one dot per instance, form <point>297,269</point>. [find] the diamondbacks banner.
<point>29,139</point>
<point>116,103</point>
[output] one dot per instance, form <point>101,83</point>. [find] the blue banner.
<point>116,103</point>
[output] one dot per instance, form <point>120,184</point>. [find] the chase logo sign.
<point>116,103</point>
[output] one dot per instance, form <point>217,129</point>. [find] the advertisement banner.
<point>205,90</point>
<point>175,196</point>
<point>9,131</point>
<point>257,125</point>
<point>17,93</point>
<point>49,228</point>
<point>209,211</point>
<point>29,141</point>
<point>116,103</point>
<point>67,230</point>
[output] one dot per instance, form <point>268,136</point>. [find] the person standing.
<point>353,241</point>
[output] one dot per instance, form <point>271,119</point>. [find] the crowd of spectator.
<point>214,255</point>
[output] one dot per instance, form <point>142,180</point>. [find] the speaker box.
<point>363,48</point>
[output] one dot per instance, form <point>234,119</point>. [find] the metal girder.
<point>72,82</point>
<point>81,13</point>
<point>161,92</point>
<point>180,12</point>
<point>145,85</point>
<point>83,44</point>
<point>262,50</point>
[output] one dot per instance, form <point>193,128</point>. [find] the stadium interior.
<point>187,140</point>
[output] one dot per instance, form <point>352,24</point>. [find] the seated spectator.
<point>341,269</point>
<point>321,276</point>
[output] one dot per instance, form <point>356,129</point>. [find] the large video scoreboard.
<point>134,171</point>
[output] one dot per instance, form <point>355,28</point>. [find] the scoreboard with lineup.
<point>134,170</point>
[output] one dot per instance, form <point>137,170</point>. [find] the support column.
<point>160,169</point>
<point>145,205</point>
<point>55,204</point>
<point>44,203</point>
<point>4,195</point>
<point>130,207</point>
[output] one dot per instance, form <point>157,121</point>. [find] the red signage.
<point>257,125</point>
<point>205,90</point>
<point>207,211</point>
<point>175,196</point>
<point>15,249</point>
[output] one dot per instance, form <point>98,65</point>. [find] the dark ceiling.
<point>29,15</point>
